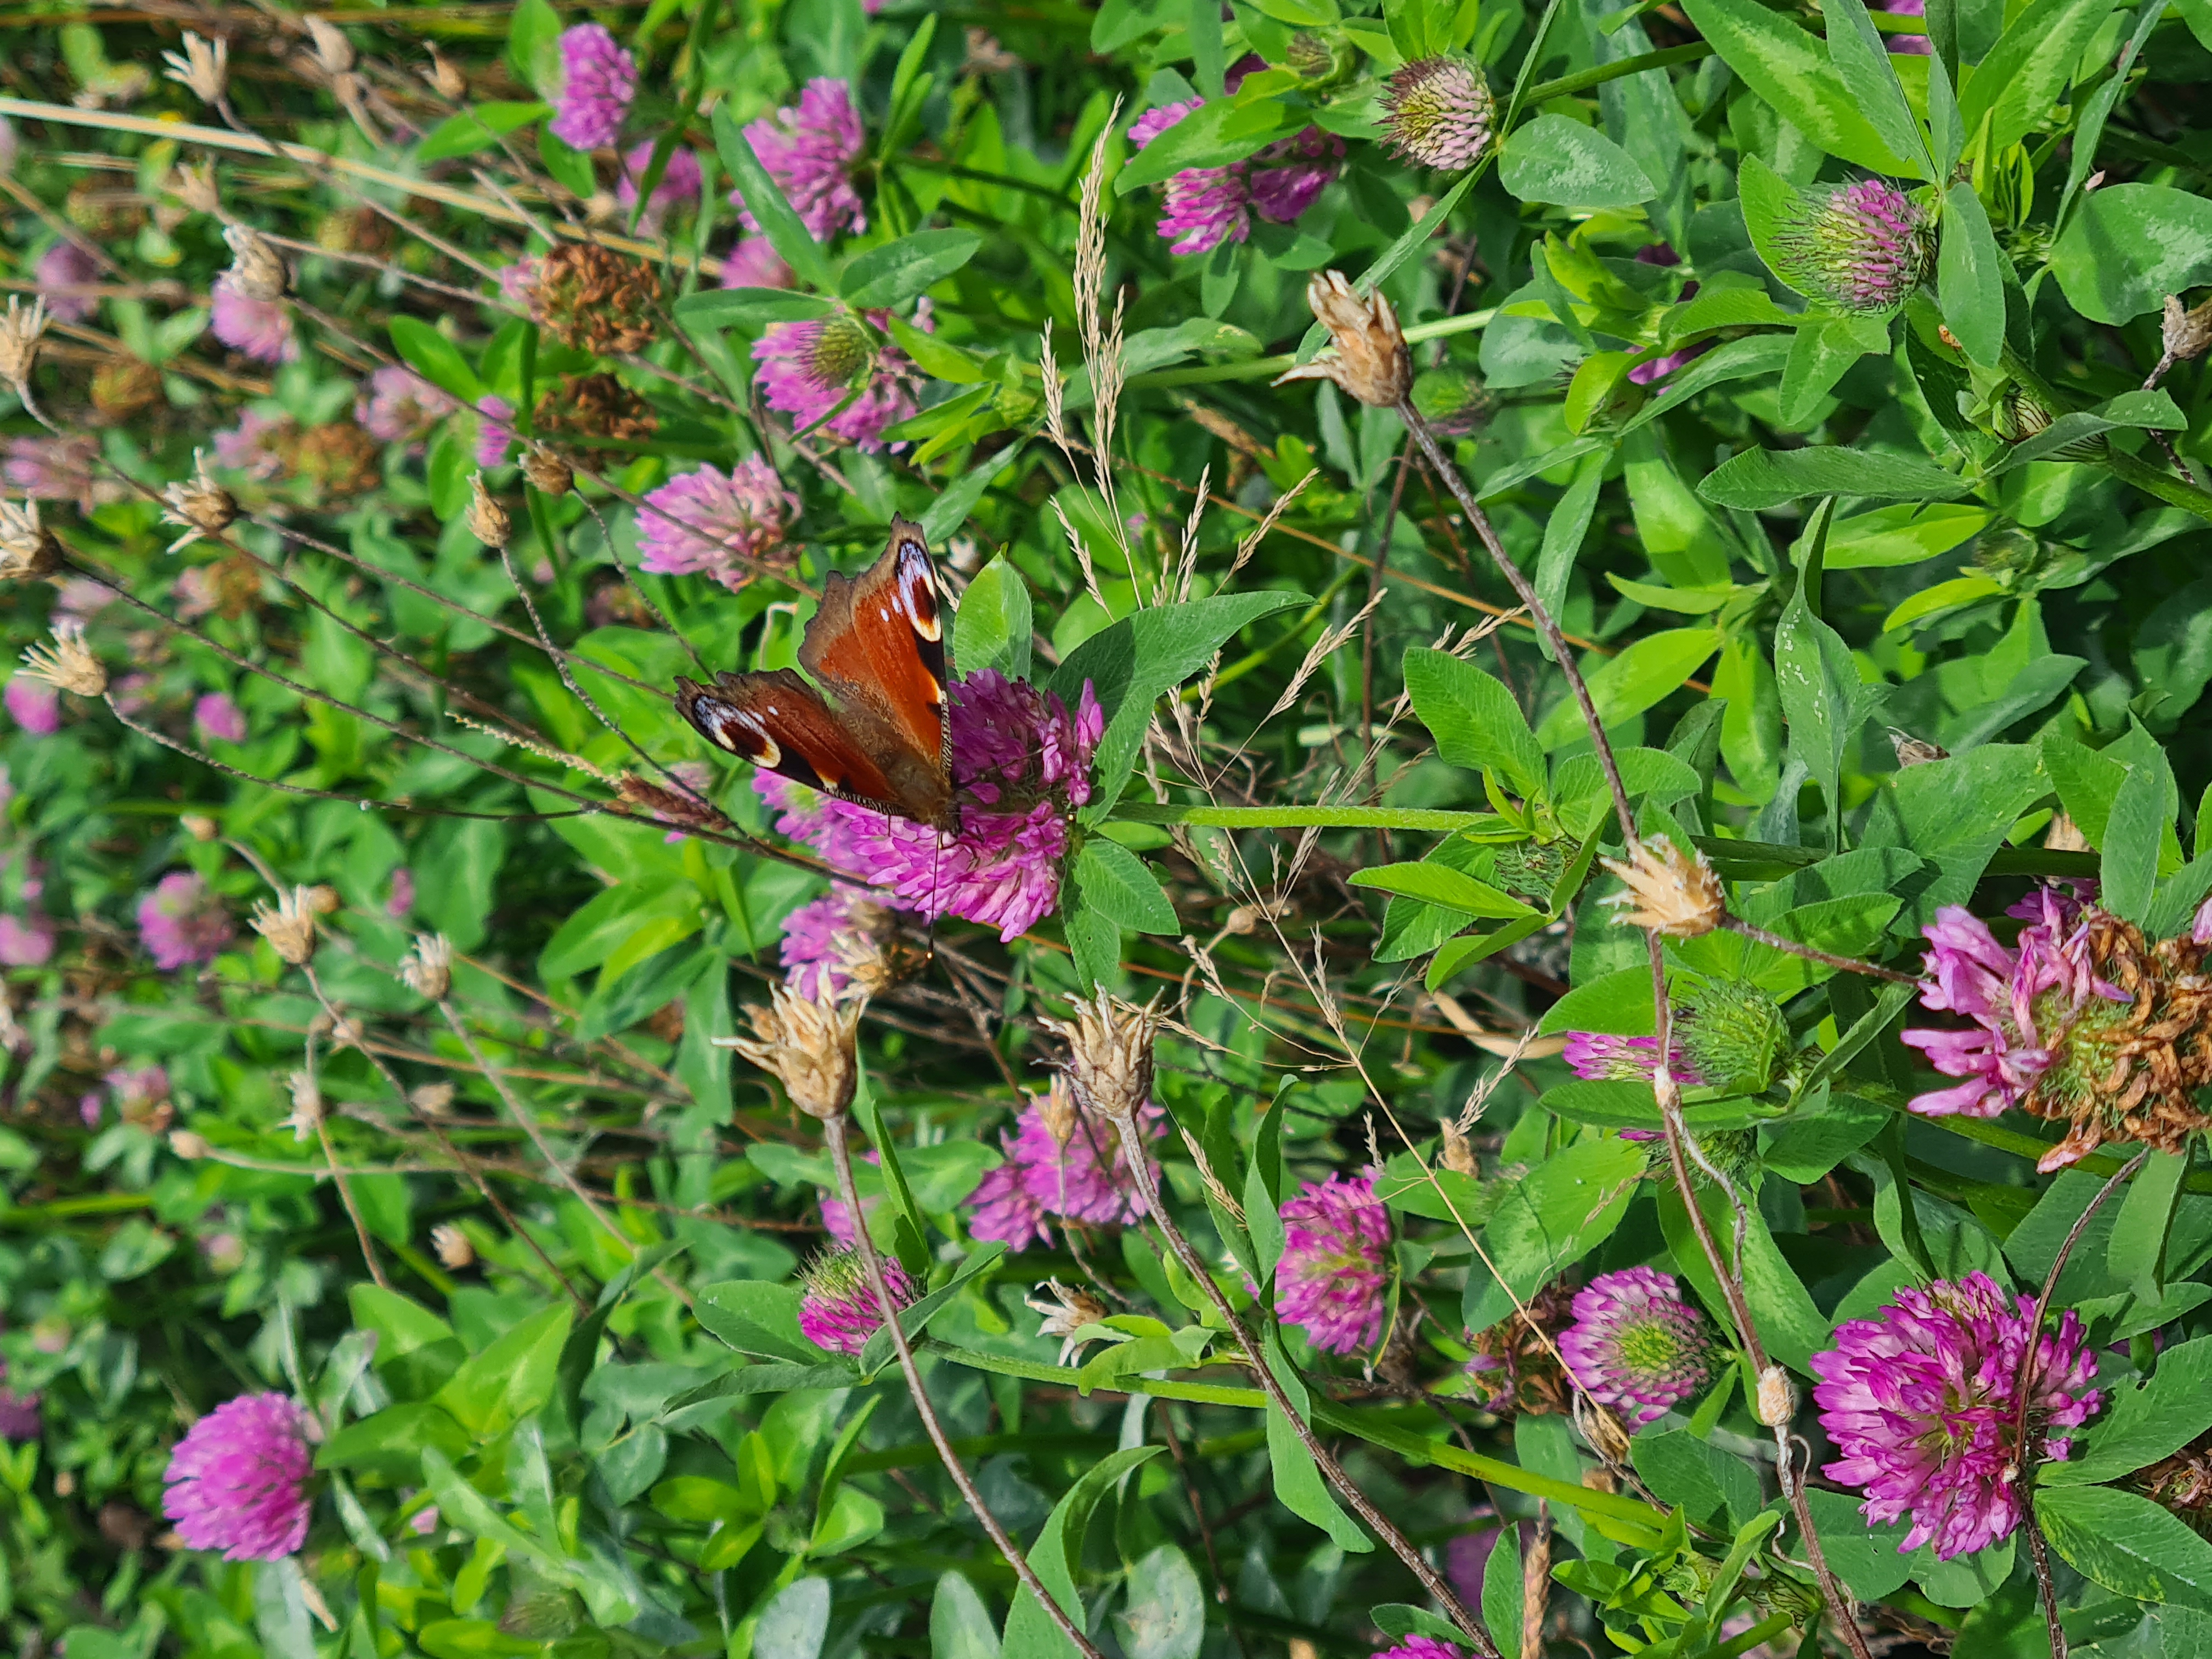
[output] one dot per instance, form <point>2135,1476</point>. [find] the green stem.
<point>1254,368</point>
<point>1582,80</point>
<point>2153,482</point>
<point>1304,818</point>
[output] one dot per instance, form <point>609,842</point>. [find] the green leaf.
<point>392,1442</point>
<point>1031,1633</point>
<point>2143,1423</point>
<point>1652,668</point>
<point>750,307</point>
<point>1865,1557</point>
<point>960,1625</point>
<point>794,1624</point>
<point>1789,68</point>
<point>896,271</point>
<point>1474,719</point>
<point>1555,159</point>
<point>476,128</point>
<point>1762,478</point>
<point>1969,277</point>
<point>2130,246</point>
<point>2128,1543</point>
<point>994,626</point>
<point>533,46</point>
<point>1438,884</point>
<point>1119,886</point>
<point>764,198</point>
<point>756,1318</point>
<point>1563,1208</point>
<point>1131,664</point>
<point>2130,841</point>
<point>1502,1591</point>
<point>2027,69</point>
<point>1714,1487</point>
<point>2138,1250</point>
<point>1863,65</point>
<point>1162,1613</point>
<point>1819,685</point>
<point>435,358</point>
<point>915,1319</point>
<point>1564,530</point>
<point>510,1379</point>
<point>1263,1184</point>
<point>1299,1486</point>
<point>1218,134</point>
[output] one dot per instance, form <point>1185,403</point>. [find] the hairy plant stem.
<point>1842,964</point>
<point>2023,1459</point>
<point>1382,1527</point>
<point>1680,1145</point>
<point>836,1136</point>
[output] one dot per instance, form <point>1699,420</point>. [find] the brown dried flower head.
<point>1458,1151</point>
<point>203,69</point>
<point>1109,1056</point>
<point>28,548</point>
<point>67,664</point>
<point>427,969</point>
<point>669,805</point>
<point>596,300</point>
<point>336,459</point>
<point>333,51</point>
<point>1777,1402</point>
<point>306,1114</point>
<point>257,269</point>
<point>289,925</point>
<point>2185,335</point>
<point>452,1244</point>
<point>189,1146</point>
<point>594,406</point>
<point>1516,1365</point>
<point>123,386</point>
<point>1670,892</point>
<point>443,78</point>
<point>194,186</point>
<point>487,520</point>
<point>323,899</point>
<point>1366,355</point>
<point>807,1046</point>
<point>1066,1310</point>
<point>546,472</point>
<point>20,331</point>
<point>2181,1484</point>
<point>200,504</point>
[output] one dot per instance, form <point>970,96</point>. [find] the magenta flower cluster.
<point>1205,207</point>
<point>259,329</point>
<point>396,405</point>
<point>808,369</point>
<point>181,923</point>
<point>1922,1401</point>
<point>839,1310</point>
<point>237,1482</point>
<point>816,938</point>
<point>1061,1162</point>
<point>808,148</point>
<point>597,81</point>
<point>680,181</point>
<point>1021,763</point>
<point>1335,1265</point>
<point>1636,1345</point>
<point>715,523</point>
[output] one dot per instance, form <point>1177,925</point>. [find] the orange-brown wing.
<point>778,721</point>
<point>878,640</point>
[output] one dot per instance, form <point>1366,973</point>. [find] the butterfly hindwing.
<point>779,722</point>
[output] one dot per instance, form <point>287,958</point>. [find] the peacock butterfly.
<point>876,645</point>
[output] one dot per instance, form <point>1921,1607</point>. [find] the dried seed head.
<point>1670,892</point>
<point>1057,1111</point>
<point>21,329</point>
<point>203,69</point>
<point>444,79</point>
<point>2186,335</point>
<point>1776,1403</point>
<point>1608,1436</point>
<point>289,925</point>
<point>1066,1310</point>
<point>596,300</point>
<point>200,505</point>
<point>333,51</point>
<point>1439,111</point>
<point>431,1099</point>
<point>1109,1057</point>
<point>323,899</point>
<point>547,472</point>
<point>427,969</point>
<point>807,1046</point>
<point>453,1246</point>
<point>1459,1152</point>
<point>257,269</point>
<point>199,826</point>
<point>195,187</point>
<point>306,1114</point>
<point>189,1146</point>
<point>67,664</point>
<point>1366,355</point>
<point>673,806</point>
<point>27,547</point>
<point>487,520</point>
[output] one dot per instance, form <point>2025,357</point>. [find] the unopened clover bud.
<point>28,548</point>
<point>199,826</point>
<point>547,472</point>
<point>807,1046</point>
<point>257,269</point>
<point>1672,893</point>
<point>2186,335</point>
<point>1110,1058</point>
<point>66,664</point>
<point>1777,1402</point>
<point>1366,355</point>
<point>1863,247</point>
<point>289,925</point>
<point>20,331</point>
<point>188,1146</point>
<point>487,520</point>
<point>203,69</point>
<point>200,504</point>
<point>323,899</point>
<point>428,970</point>
<point>453,1246</point>
<point>1439,111</point>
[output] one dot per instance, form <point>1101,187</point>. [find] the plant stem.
<point>835,1136</point>
<point>1254,368</point>
<point>1845,965</point>
<point>1139,1165</point>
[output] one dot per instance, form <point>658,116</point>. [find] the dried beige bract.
<point>289,925</point>
<point>453,1246</point>
<point>203,69</point>
<point>487,520</point>
<point>1670,892</point>
<point>428,970</point>
<point>1109,1057</point>
<point>546,472</point>
<point>1066,1310</point>
<point>28,548</point>
<point>20,331</point>
<point>2185,335</point>
<point>67,664</point>
<point>200,505</point>
<point>257,269</point>
<point>306,1114</point>
<point>1366,355</point>
<point>806,1046</point>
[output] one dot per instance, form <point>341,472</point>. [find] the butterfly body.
<point>876,645</point>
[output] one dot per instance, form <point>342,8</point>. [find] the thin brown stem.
<point>834,1135</point>
<point>1842,964</point>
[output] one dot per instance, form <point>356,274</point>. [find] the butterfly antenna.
<point>936,855</point>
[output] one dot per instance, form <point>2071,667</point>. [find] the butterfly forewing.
<point>880,638</point>
<point>779,722</point>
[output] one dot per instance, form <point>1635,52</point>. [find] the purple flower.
<point>181,923</point>
<point>1003,1208</point>
<point>753,262</point>
<point>33,705</point>
<point>216,716</point>
<point>25,941</point>
<point>65,265</point>
<point>1422,1647</point>
<point>395,404</point>
<point>18,1413</point>
<point>1601,1055</point>
<point>1204,207</point>
<point>1636,1345</point>
<point>1659,368</point>
<point>262,328</point>
<point>808,150</point>
<point>246,447</point>
<point>716,523</point>
<point>1060,1161</point>
<point>401,897</point>
<point>1021,761</point>
<point>809,369</point>
<point>841,1311</point>
<point>136,1093</point>
<point>494,436</point>
<point>1439,113</point>
<point>679,179</point>
<point>237,1481</point>
<point>818,940</point>
<point>1916,44</point>
<point>1922,1402</point>
<point>47,469</point>
<point>1336,1262</point>
<point>597,81</point>
<point>1864,246</point>
<point>1287,176</point>
<point>837,1217</point>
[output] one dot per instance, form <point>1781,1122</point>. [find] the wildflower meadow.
<point>1141,829</point>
